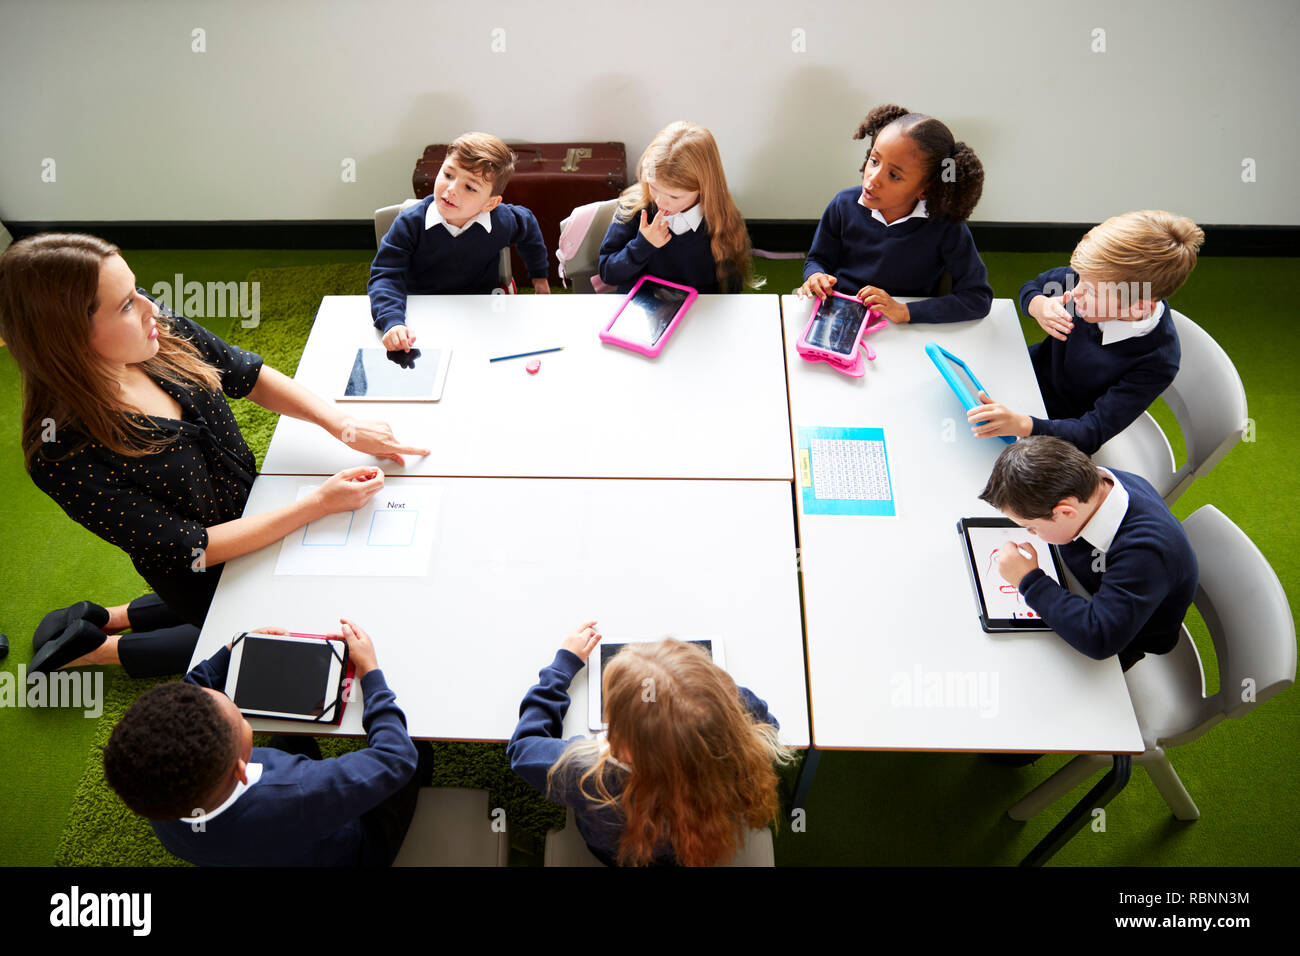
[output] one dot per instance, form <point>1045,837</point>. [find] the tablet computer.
<point>960,379</point>
<point>288,677</point>
<point>1001,606</point>
<point>605,652</point>
<point>378,375</point>
<point>649,315</point>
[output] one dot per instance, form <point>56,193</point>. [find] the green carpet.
<point>865,808</point>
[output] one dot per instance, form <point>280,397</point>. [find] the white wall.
<point>142,128</point>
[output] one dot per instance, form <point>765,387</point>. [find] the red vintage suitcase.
<point>551,180</point>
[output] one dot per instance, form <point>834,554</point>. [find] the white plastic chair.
<point>1209,402</point>
<point>567,848</point>
<point>387,215</point>
<point>452,827</point>
<point>581,266</point>
<point>1249,620</point>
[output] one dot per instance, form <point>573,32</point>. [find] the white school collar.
<point>1104,524</point>
<point>687,221</point>
<point>918,212</point>
<point>434,218</point>
<point>253,772</point>
<point>1117,330</point>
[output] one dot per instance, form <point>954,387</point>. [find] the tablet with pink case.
<point>649,315</point>
<point>835,330</point>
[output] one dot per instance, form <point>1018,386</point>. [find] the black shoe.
<point>4,646</point>
<point>56,622</point>
<point>78,639</point>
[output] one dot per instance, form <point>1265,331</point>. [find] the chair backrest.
<point>1207,398</point>
<point>579,247</point>
<point>384,219</point>
<point>1246,611</point>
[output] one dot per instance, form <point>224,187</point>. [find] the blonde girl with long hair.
<point>678,221</point>
<point>687,768</point>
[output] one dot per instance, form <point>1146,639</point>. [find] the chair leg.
<point>1165,778</point>
<point>1056,786</point>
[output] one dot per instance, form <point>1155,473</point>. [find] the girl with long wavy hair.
<point>678,221</point>
<point>687,768</point>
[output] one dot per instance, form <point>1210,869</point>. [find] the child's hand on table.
<point>1052,315</point>
<point>360,650</point>
<point>998,420</point>
<point>657,232</point>
<point>1012,564</point>
<point>885,304</point>
<point>818,284</point>
<point>375,438</point>
<point>582,640</point>
<point>399,339</point>
<point>541,286</point>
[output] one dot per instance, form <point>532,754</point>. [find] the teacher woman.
<point>124,425</point>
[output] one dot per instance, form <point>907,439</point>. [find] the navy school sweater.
<point>303,812</point>
<point>1141,592</point>
<point>1091,391</point>
<point>538,742</point>
<point>413,260</point>
<point>905,259</point>
<point>687,259</point>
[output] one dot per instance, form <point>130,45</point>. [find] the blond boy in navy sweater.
<point>1099,374</point>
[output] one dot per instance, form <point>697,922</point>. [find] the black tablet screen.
<point>285,677</point>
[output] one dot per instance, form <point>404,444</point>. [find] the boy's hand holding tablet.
<point>361,652</point>
<point>994,420</point>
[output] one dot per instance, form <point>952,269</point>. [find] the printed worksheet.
<point>845,471</point>
<point>392,536</point>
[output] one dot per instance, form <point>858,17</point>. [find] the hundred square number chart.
<point>845,471</point>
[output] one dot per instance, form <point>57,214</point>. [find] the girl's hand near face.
<point>885,304</point>
<point>581,641</point>
<point>657,232</point>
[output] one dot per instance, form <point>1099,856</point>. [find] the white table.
<point>711,405</point>
<point>518,563</point>
<point>889,609</point>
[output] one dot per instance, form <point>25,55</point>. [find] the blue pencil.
<point>502,358</point>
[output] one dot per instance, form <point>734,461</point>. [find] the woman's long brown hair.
<point>49,287</point>
<point>701,771</point>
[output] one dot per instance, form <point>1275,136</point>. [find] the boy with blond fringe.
<point>1098,375</point>
<point>451,242</point>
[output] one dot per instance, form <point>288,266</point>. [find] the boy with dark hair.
<point>1115,534</point>
<point>451,241</point>
<point>183,757</point>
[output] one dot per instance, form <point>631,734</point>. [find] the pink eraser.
<point>533,367</point>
